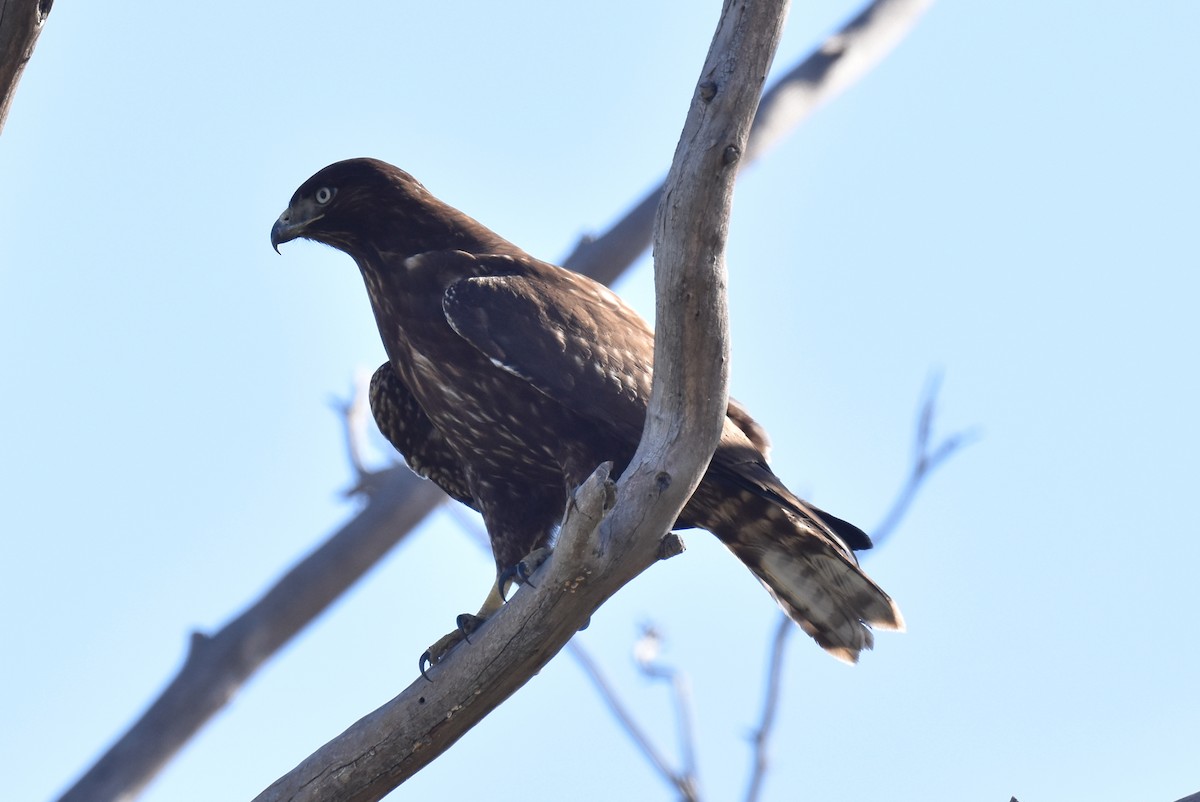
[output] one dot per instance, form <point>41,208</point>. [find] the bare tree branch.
<point>21,22</point>
<point>217,666</point>
<point>598,553</point>
<point>683,781</point>
<point>381,750</point>
<point>843,58</point>
<point>841,61</point>
<point>396,501</point>
<point>924,461</point>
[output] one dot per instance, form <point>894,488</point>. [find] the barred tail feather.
<point>809,571</point>
<point>805,562</point>
<point>824,592</point>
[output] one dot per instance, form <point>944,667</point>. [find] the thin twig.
<point>646,654</point>
<point>924,461</point>
<point>762,734</point>
<point>685,715</point>
<point>684,781</point>
<point>626,720</point>
<point>355,413</point>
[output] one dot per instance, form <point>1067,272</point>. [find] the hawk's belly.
<point>505,430</point>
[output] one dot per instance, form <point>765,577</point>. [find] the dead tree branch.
<point>601,547</point>
<point>218,665</point>
<point>397,501</point>
<point>925,459</point>
<point>21,22</point>
<point>843,58</point>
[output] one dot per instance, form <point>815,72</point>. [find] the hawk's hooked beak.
<point>294,222</point>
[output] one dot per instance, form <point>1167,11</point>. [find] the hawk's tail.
<point>809,571</point>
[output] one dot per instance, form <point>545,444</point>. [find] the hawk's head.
<point>366,206</point>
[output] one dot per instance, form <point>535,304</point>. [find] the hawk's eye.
<point>324,195</point>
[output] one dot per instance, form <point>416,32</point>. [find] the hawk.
<point>509,379</point>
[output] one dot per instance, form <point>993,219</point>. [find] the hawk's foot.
<point>468,624</point>
<point>434,654</point>
<point>523,570</point>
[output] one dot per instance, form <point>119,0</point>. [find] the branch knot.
<point>671,545</point>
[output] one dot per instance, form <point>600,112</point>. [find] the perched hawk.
<point>509,380</point>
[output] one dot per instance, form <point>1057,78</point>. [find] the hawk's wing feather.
<point>541,328</point>
<point>759,479</point>
<point>539,322</point>
<point>405,425</point>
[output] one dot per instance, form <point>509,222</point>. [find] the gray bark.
<point>21,22</point>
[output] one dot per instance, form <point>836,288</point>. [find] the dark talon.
<point>524,575</point>
<point>518,573</point>
<point>467,624</point>
<point>512,573</point>
<point>423,663</point>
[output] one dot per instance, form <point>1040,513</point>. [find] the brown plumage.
<point>509,379</point>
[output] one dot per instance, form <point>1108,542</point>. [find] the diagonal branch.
<point>845,57</point>
<point>218,665</point>
<point>397,501</point>
<point>601,547</point>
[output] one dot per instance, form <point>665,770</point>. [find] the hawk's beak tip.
<point>280,233</point>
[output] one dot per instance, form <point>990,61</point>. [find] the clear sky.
<point>1010,199</point>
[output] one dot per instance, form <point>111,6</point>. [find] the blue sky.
<point>1010,199</point>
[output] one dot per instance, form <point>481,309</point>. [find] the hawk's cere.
<point>510,379</point>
